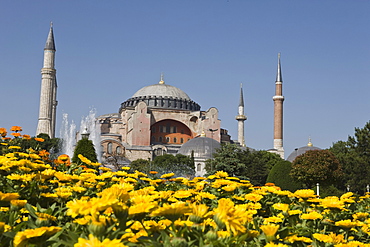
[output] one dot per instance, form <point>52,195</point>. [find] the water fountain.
<point>70,136</point>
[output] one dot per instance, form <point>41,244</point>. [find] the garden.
<point>56,202</point>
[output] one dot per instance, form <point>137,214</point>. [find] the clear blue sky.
<point>107,50</point>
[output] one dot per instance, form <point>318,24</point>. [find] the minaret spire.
<point>241,118</point>
<point>48,102</point>
<point>278,111</point>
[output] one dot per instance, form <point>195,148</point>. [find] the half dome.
<point>203,147</point>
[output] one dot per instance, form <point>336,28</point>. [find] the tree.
<point>279,175</point>
<point>244,164</point>
<point>86,148</point>
<point>354,156</point>
<point>141,165</point>
<point>317,166</point>
<point>180,164</point>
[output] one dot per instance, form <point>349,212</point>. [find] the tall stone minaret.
<point>278,112</point>
<point>48,102</point>
<point>241,118</point>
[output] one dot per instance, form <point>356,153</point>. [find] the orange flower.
<point>27,137</point>
<point>153,172</point>
<point>16,128</point>
<point>16,134</point>
<point>39,139</point>
<point>44,153</point>
<point>63,157</point>
<point>3,132</point>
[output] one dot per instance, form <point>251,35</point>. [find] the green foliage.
<point>354,156</point>
<point>86,148</point>
<point>179,164</point>
<point>141,165</point>
<point>244,164</point>
<point>279,175</point>
<point>317,166</point>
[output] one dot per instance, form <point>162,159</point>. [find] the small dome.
<point>301,150</point>
<point>203,147</point>
<point>162,90</point>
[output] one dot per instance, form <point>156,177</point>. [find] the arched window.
<point>109,148</point>
<point>181,140</point>
<point>153,138</point>
<point>174,139</point>
<point>118,150</point>
<point>160,139</point>
<point>167,139</point>
<point>199,167</point>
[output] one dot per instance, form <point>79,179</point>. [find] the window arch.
<point>109,147</point>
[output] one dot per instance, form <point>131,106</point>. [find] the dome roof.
<point>161,90</point>
<point>301,150</point>
<point>162,95</point>
<point>203,147</point>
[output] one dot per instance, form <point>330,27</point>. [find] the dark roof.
<point>299,151</point>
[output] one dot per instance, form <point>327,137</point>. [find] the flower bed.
<point>58,203</point>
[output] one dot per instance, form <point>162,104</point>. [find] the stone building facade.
<point>157,119</point>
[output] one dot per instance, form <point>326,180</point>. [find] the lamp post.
<point>318,189</point>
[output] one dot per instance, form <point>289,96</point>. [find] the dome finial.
<point>309,142</point>
<point>162,79</point>
<point>203,134</point>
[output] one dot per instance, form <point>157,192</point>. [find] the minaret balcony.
<point>241,117</point>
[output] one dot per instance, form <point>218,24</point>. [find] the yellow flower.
<point>172,211</point>
<point>46,216</point>
<point>332,238</point>
<point>253,197</point>
<point>360,216</point>
<point>270,229</point>
<point>18,203</point>
<point>182,194</point>
<point>276,245</point>
<point>295,238</point>
<point>232,216</point>
<point>95,242</point>
<point>273,219</point>
<point>14,147</point>
<point>332,202</point>
<point>346,224</point>
<point>21,238</point>
<point>304,194</point>
<point>311,216</point>
<point>168,175</point>
<point>223,234</point>
<point>221,174</point>
<point>281,206</point>
<point>8,196</point>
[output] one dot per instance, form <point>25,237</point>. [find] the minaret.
<point>241,118</point>
<point>48,102</point>
<point>278,112</point>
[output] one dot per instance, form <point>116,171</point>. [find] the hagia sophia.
<point>159,119</point>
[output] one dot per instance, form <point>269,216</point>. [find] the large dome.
<point>162,95</point>
<point>203,147</point>
<point>163,90</point>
